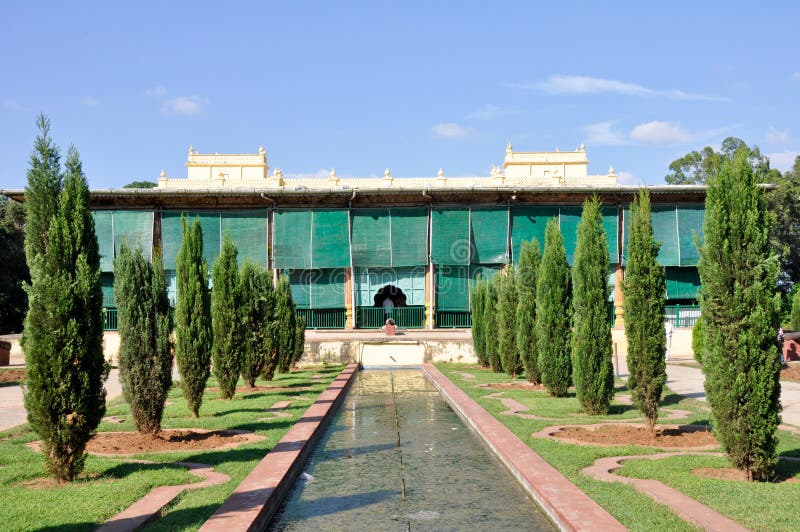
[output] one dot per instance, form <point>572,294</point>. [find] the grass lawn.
<point>756,505</point>
<point>111,485</point>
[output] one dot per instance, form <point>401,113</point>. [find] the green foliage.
<point>507,324</point>
<point>698,340</point>
<point>527,273</point>
<point>490,308</point>
<point>740,316</point>
<point>286,328</point>
<point>258,309</point>
<point>553,304</point>
<point>141,184</point>
<point>795,316</point>
<point>14,273</point>
<point>699,167</point>
<point>299,340</point>
<point>784,205</point>
<point>193,337</point>
<point>63,333</point>
<point>592,370</point>
<point>145,350</point>
<point>644,289</point>
<point>227,320</point>
<point>477,302</point>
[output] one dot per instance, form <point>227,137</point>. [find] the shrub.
<point>698,342</point>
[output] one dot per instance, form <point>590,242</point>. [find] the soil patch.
<point>44,483</point>
<point>170,440</point>
<point>791,373</point>
<point>262,388</point>
<point>12,375</point>
<point>514,386</point>
<point>730,473</point>
<point>671,437</point>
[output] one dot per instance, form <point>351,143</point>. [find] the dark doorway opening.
<point>392,293</point>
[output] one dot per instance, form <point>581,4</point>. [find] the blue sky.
<point>410,85</point>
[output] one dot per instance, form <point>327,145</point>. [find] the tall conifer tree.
<point>145,351</point>
<point>592,370</point>
<point>258,306</point>
<point>227,319</point>
<point>477,303</point>
<point>491,307</point>
<point>553,304</point>
<point>193,338</point>
<point>63,332</point>
<point>644,289</point>
<point>286,326</point>
<point>527,272</point>
<point>507,325</point>
<point>740,305</point>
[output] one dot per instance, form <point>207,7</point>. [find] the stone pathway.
<point>275,410</point>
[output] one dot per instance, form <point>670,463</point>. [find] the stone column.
<point>619,297</point>
<point>350,321</point>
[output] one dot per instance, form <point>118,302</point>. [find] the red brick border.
<point>253,503</point>
<point>562,501</point>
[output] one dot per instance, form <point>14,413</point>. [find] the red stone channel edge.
<point>566,505</point>
<point>253,503</point>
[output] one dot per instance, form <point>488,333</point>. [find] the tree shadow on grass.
<point>125,469</point>
<point>672,399</point>
<point>619,409</point>
<point>265,425</point>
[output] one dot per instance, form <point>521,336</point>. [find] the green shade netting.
<point>411,280</point>
<point>107,287</point>
<point>568,220</point>
<point>611,227</point>
<point>452,287</point>
<point>372,237</point>
<point>301,290</point>
<point>330,238</point>
<point>317,289</point>
<point>450,236</point>
<point>104,231</point>
<point>291,239</point>
<point>172,236</point>
<point>690,223</point>
<point>665,230</point>
<point>483,272</point>
<point>135,228</point>
<point>527,223</point>
<point>248,231</point>
<point>489,235</point>
<point>682,283</point>
<point>409,236</point>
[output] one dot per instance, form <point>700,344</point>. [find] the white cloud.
<point>183,105</point>
<point>488,112</point>
<point>158,91</point>
<point>601,133</point>
<point>783,160</point>
<point>89,101</point>
<point>12,104</point>
<point>660,133</point>
<point>450,130</point>
<point>777,137</point>
<point>627,178</point>
<point>561,84</point>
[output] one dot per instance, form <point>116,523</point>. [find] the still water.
<point>440,477</point>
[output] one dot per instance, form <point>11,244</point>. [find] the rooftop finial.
<point>386,172</point>
<point>333,175</point>
<point>508,146</point>
<point>440,173</point>
<point>261,150</point>
<point>163,174</point>
<point>611,170</point>
<point>583,146</point>
<point>191,150</point>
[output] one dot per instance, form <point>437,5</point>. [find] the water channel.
<point>440,477</point>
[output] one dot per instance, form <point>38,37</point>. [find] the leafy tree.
<point>553,304</point>
<point>14,273</point>
<point>299,340</point>
<point>740,316</point>
<point>193,337</point>
<point>227,320</point>
<point>698,341</point>
<point>477,303</point>
<point>63,332</point>
<point>145,351</point>
<point>698,167</point>
<point>491,307</point>
<point>527,272</point>
<point>258,308</point>
<point>286,326</point>
<point>644,288</point>
<point>592,370</point>
<point>141,184</point>
<point>507,325</point>
<point>783,204</point>
<point>795,316</point>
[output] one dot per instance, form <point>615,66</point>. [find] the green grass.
<point>747,503</point>
<point>110,485</point>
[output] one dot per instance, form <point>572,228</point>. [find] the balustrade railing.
<point>453,319</point>
<point>412,317</point>
<point>323,318</point>
<point>109,319</point>
<point>682,315</point>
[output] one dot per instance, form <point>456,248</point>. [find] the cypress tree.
<point>286,327</point>
<point>477,303</point>
<point>795,316</point>
<point>145,350</point>
<point>227,319</point>
<point>553,304</point>
<point>490,310</point>
<point>63,333</point>
<point>527,273</point>
<point>698,341</point>
<point>258,308</point>
<point>507,325</point>
<point>740,304</point>
<point>592,370</point>
<point>193,338</point>
<point>299,340</point>
<point>644,289</point>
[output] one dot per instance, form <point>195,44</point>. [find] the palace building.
<point>348,244</point>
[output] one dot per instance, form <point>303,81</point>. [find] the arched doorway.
<point>393,294</point>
